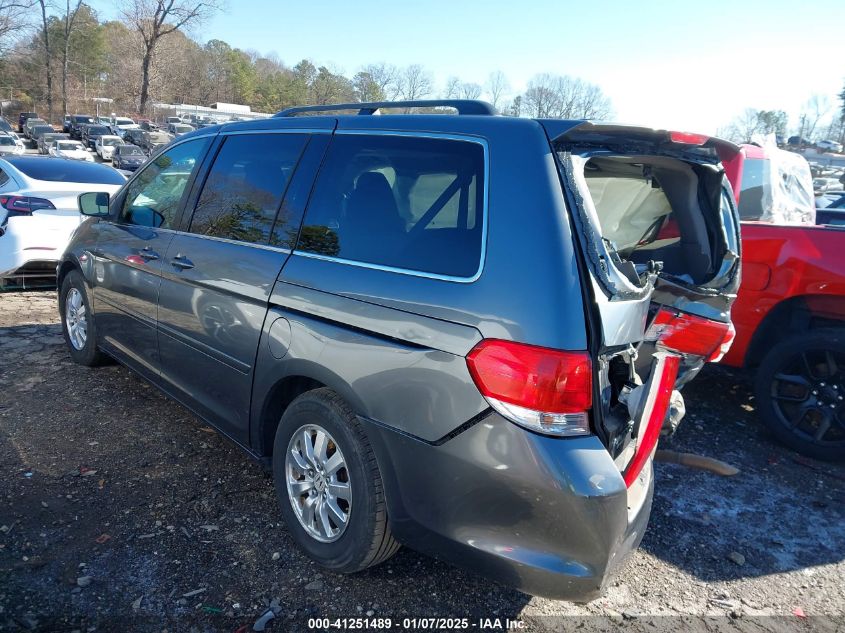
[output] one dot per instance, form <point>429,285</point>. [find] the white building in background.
<point>217,111</point>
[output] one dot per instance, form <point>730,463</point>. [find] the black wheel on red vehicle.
<point>800,390</point>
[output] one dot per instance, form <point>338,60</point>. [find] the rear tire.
<point>365,539</point>
<point>78,325</point>
<point>800,391</point>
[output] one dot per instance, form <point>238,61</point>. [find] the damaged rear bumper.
<point>549,516</point>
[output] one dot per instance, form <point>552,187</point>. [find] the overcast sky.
<point>682,64</point>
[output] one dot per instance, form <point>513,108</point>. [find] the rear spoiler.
<point>632,139</point>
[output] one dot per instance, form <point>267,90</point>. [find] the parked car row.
<point>86,128</point>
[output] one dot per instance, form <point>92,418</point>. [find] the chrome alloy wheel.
<point>318,483</point>
<point>75,319</point>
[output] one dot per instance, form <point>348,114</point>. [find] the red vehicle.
<point>789,314</point>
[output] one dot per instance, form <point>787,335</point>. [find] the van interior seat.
<point>372,216</point>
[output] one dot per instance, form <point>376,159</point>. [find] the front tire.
<point>78,326</point>
<point>329,485</point>
<point>800,390</point>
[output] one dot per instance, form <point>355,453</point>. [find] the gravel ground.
<point>119,510</point>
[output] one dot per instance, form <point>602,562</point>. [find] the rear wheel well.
<point>281,395</point>
<point>791,316</point>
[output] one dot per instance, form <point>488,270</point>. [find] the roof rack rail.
<point>463,106</point>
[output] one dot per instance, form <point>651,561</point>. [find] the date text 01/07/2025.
<point>425,624</point>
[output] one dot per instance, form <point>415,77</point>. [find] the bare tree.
<point>564,97</point>
<point>743,127</point>
<point>539,100</point>
<point>457,89</point>
<point>45,40</point>
<point>814,110</point>
<point>70,16</point>
<point>384,79</point>
<point>453,88</point>
<point>155,19</point>
<point>13,14</point>
<point>470,90</point>
<point>497,87</point>
<point>414,83</point>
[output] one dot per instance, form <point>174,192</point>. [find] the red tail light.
<point>690,334</point>
<point>545,390</point>
<point>25,204</point>
<point>688,138</point>
<point>653,415</point>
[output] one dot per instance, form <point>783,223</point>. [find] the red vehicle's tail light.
<point>25,204</point>
<point>653,415</point>
<point>542,389</point>
<point>688,138</point>
<point>690,334</point>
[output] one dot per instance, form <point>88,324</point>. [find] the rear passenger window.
<point>245,186</point>
<point>403,202</point>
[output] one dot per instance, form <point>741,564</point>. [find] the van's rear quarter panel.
<point>391,366</point>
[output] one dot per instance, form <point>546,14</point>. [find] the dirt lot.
<point>119,510</point>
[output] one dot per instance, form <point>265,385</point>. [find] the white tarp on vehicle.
<point>789,198</point>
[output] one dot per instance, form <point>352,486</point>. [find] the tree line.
<point>818,120</point>
<point>57,55</point>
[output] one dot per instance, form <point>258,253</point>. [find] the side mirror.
<point>95,204</point>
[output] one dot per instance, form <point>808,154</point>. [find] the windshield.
<point>97,129</point>
<point>130,151</point>
<point>69,146</point>
<point>6,140</point>
<point>119,121</point>
<point>183,128</point>
<point>159,138</point>
<point>112,142</point>
<point>83,119</point>
<point>66,171</point>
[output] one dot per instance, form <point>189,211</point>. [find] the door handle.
<point>180,261</point>
<point>148,253</point>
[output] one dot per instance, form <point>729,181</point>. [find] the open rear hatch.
<point>659,235</point>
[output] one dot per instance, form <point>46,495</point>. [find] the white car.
<point>39,211</point>
<point>105,145</point>
<point>8,146</point>
<point>120,124</point>
<point>70,149</point>
<point>18,140</point>
<point>830,146</point>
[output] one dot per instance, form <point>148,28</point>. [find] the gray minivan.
<point>462,333</point>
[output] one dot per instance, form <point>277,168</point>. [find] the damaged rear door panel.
<point>659,233</point>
